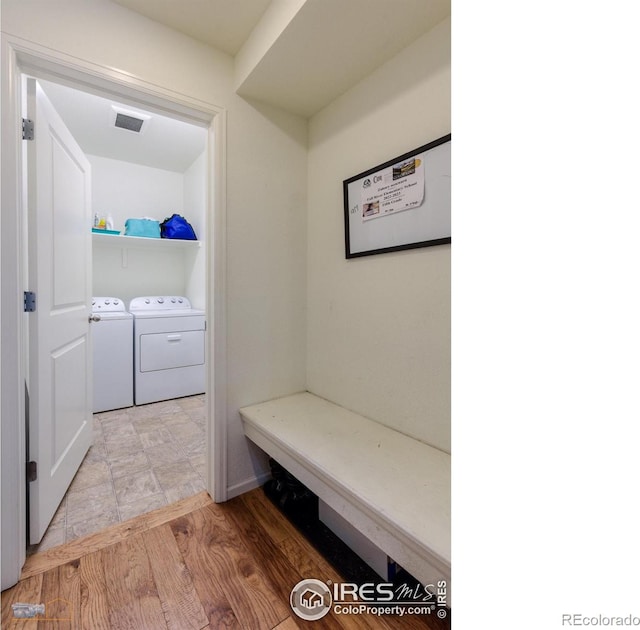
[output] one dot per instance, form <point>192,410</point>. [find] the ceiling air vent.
<point>128,120</point>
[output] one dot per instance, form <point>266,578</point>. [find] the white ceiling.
<point>166,143</point>
<point>330,45</point>
<point>325,48</point>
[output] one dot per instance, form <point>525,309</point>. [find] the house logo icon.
<point>310,599</point>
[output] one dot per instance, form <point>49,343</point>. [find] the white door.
<point>60,381</point>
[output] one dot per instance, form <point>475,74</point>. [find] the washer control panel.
<point>107,304</point>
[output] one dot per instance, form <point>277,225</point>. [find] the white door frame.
<point>17,56</point>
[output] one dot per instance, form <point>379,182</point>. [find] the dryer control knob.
<point>147,301</point>
<point>160,300</point>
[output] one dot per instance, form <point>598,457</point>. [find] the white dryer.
<point>169,348</point>
<point>112,337</point>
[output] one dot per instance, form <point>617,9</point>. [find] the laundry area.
<point>148,320</point>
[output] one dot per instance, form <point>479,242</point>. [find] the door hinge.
<point>27,129</point>
<point>32,471</point>
<point>29,301</point>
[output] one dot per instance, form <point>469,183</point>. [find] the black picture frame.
<point>386,210</point>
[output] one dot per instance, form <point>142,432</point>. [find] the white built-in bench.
<point>393,488</point>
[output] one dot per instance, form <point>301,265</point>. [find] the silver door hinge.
<point>32,471</point>
<point>29,301</point>
<point>27,129</point>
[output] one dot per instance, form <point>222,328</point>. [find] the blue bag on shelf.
<point>177,226</point>
<point>142,227</point>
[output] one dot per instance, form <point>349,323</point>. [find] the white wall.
<point>265,191</point>
<point>379,326</point>
<point>194,210</point>
<point>127,190</point>
<point>138,271</point>
<point>266,241</point>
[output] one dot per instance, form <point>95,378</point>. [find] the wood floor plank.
<point>255,603</point>
<point>287,624</point>
<point>27,591</point>
<point>307,561</point>
<point>180,603</point>
<point>230,566</point>
<point>271,519</point>
<point>40,562</point>
<point>95,604</point>
<point>190,534</point>
<point>279,572</point>
<point>298,550</point>
<point>131,590</point>
<point>62,598</point>
<point>304,560</point>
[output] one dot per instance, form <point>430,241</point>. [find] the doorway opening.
<point>18,57</point>
<point>140,458</point>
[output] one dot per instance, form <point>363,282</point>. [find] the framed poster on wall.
<point>404,203</point>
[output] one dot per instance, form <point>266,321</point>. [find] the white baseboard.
<point>248,484</point>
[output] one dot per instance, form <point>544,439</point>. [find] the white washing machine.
<point>169,348</point>
<point>112,336</point>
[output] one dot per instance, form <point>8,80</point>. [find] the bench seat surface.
<point>407,482</point>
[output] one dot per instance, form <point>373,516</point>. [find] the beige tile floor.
<point>141,459</point>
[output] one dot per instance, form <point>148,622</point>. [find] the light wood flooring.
<point>192,564</point>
